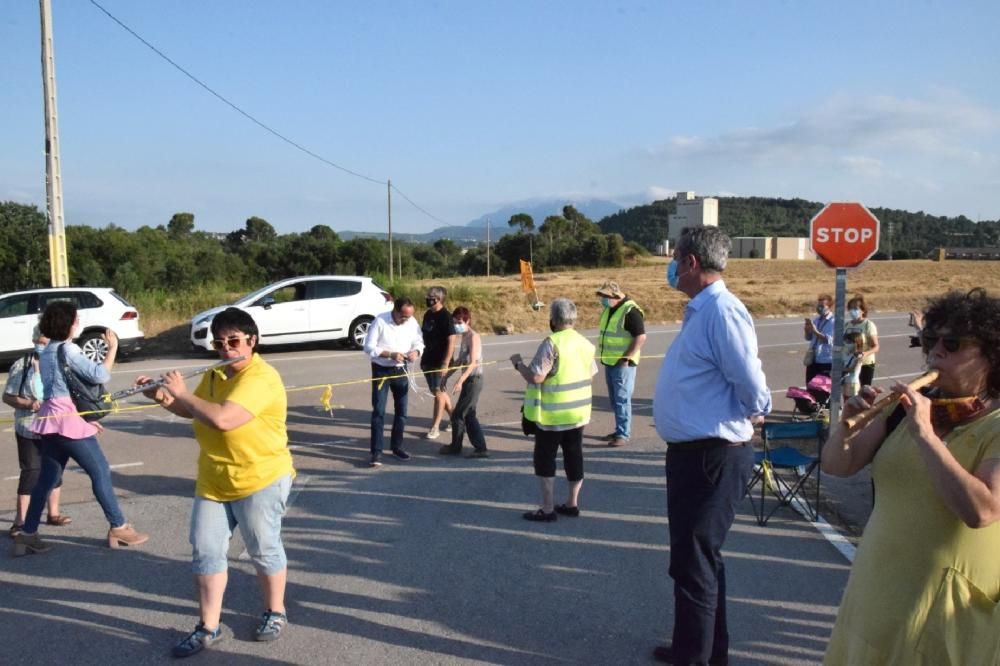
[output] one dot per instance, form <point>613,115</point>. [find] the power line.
<point>254,120</point>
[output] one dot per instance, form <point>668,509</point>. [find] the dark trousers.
<point>400,387</point>
<point>29,459</point>
<point>463,416</point>
<point>704,484</point>
<point>818,369</point>
<point>56,452</point>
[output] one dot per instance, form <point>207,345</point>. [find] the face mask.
<point>430,302</point>
<point>605,302</point>
<point>39,348</point>
<point>673,278</point>
<point>460,328</point>
<point>821,310</point>
<point>854,313</point>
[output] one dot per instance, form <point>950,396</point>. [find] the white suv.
<point>306,309</point>
<point>99,309</point>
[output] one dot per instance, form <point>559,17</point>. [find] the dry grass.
<point>768,288</point>
<point>774,288</point>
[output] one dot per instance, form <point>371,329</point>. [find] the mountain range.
<point>474,231</point>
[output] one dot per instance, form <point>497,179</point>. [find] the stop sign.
<point>844,235</point>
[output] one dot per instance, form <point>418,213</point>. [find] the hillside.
<point>909,235</point>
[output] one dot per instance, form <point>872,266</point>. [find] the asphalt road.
<point>427,561</point>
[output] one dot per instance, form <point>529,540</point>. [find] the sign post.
<point>843,235</point>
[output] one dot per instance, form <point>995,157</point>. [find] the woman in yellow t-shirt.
<point>244,474</point>
<point>924,589</point>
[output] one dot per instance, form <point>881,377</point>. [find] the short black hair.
<point>57,321</point>
<point>238,319</point>
<point>975,314</point>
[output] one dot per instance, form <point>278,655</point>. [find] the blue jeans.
<point>621,383</point>
<point>704,484</point>
<point>400,387</point>
<point>259,518</point>
<point>56,452</point>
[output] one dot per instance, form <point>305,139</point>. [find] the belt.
<point>701,444</point>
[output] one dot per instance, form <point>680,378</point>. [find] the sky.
<point>469,105</point>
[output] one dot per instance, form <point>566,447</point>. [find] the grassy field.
<point>768,288</point>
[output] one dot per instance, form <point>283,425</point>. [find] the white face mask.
<point>854,313</point>
<point>460,328</point>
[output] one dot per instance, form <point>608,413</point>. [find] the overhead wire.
<point>257,122</point>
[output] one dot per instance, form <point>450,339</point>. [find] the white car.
<point>99,309</point>
<point>313,308</point>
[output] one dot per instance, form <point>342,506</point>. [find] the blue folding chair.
<point>783,471</point>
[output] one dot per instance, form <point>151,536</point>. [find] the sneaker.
<point>447,427</point>
<point>540,516</point>
<point>401,454</point>
<point>478,453</point>
<point>197,640</point>
<point>376,460</point>
<point>433,433</point>
<point>29,544</point>
<point>271,625</point>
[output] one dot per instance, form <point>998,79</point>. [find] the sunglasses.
<point>951,343</point>
<point>232,342</point>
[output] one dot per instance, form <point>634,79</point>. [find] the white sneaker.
<point>434,433</point>
<point>447,427</point>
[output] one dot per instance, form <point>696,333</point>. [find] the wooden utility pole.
<point>388,193</point>
<point>487,248</point>
<point>58,263</point>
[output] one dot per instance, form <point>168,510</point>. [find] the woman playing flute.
<point>925,584</point>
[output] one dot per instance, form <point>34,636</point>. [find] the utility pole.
<point>388,193</point>
<point>58,264</point>
<point>487,248</point>
<point>890,225</point>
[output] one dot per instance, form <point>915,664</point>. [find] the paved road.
<point>426,561</point>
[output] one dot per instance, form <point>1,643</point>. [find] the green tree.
<point>24,237</point>
<point>181,225</point>
<point>522,221</point>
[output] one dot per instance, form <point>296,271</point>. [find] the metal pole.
<point>58,264</point>
<point>388,192</point>
<point>838,345</point>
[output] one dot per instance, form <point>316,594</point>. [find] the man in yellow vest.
<point>622,335</point>
<point>557,400</point>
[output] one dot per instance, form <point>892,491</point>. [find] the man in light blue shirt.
<point>710,392</point>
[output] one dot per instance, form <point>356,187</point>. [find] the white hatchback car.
<point>313,308</point>
<point>99,309</point>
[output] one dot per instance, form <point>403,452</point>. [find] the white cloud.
<point>656,193</point>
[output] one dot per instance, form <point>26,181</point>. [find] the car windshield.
<point>254,295</point>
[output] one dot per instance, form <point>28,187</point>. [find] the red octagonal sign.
<point>844,235</point>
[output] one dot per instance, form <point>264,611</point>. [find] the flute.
<point>862,418</point>
<point>125,393</point>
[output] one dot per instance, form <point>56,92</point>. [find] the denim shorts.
<point>436,382</point>
<point>259,519</point>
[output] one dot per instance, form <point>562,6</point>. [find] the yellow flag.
<point>527,279</point>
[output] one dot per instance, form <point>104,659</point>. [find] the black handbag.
<point>529,428</point>
<point>86,396</point>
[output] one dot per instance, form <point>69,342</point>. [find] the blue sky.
<point>469,105</point>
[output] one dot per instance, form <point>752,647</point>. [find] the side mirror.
<point>266,302</point>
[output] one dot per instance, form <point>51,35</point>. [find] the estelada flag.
<point>527,279</point>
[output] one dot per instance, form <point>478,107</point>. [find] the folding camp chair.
<point>783,471</point>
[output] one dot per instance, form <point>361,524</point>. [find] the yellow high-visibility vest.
<point>565,397</point>
<point>614,339</point>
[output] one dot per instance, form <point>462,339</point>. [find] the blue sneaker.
<point>197,640</point>
<point>271,625</point>
<point>401,454</point>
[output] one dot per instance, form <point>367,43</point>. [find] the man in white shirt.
<point>393,341</point>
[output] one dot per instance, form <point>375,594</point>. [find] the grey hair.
<point>438,293</point>
<point>562,313</point>
<point>709,244</point>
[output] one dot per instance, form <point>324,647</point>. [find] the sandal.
<point>15,529</point>
<point>60,520</point>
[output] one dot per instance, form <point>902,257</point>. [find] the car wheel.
<point>94,346</point>
<point>358,331</point>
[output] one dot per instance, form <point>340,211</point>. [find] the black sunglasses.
<point>951,343</point>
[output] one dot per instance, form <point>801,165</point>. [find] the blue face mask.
<point>854,313</point>
<point>460,328</point>
<point>672,277</point>
<point>605,302</point>
<point>39,348</point>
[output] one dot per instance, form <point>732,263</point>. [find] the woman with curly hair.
<point>925,585</point>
